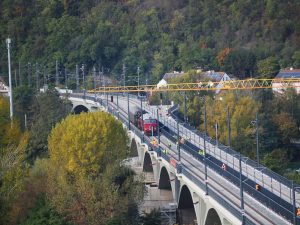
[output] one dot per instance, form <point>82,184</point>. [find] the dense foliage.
<point>13,169</point>
<point>87,182</point>
<point>82,181</point>
<point>278,120</point>
<point>45,111</point>
<point>244,38</point>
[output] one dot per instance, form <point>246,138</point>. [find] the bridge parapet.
<point>232,213</point>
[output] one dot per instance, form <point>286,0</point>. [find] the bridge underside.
<point>186,210</point>
<point>133,149</point>
<point>213,218</point>
<point>79,109</point>
<point>147,166</point>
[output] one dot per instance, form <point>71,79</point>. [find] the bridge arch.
<point>133,149</point>
<point>165,185</point>
<point>147,165</point>
<point>79,109</point>
<point>186,208</point>
<point>212,217</point>
<point>164,180</point>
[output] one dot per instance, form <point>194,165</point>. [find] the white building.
<point>279,87</point>
<point>3,88</point>
<point>213,76</point>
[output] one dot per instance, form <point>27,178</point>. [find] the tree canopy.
<point>87,181</point>
<point>86,143</point>
<point>236,36</point>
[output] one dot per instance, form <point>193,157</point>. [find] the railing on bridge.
<point>276,177</point>
<point>278,205</point>
<point>274,202</point>
<point>235,211</point>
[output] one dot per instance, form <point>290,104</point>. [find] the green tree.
<point>152,218</point>
<point>240,62</point>
<point>43,213</point>
<point>23,98</point>
<point>286,127</point>
<point>47,109</point>
<point>296,58</point>
<point>268,68</point>
<point>276,160</point>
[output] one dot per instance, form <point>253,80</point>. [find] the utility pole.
<point>25,121</point>
<point>128,111</point>
<point>101,79</point>
<point>8,42</point>
<point>36,76</point>
<point>47,76</point>
<point>20,76</point>
<point>77,77</point>
<point>185,108</point>
<point>143,137</point>
<point>118,106</point>
<point>138,73</point>
<point>29,74</point>
<point>124,75</point>
<point>294,204</point>
<point>44,77</point>
<point>16,82</point>
<point>56,74</point>
<point>178,141</point>
<point>83,77</point>
<point>158,133</point>
<point>257,147</point>
<point>204,139</point>
<point>228,125</point>
<point>241,191</point>
<point>66,79</point>
<point>94,76</point>
<point>216,127</point>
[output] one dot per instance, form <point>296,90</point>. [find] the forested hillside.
<point>158,36</point>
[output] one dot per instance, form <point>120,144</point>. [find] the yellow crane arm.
<point>207,86</point>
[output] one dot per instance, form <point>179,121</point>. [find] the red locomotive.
<point>144,121</point>
<point>148,124</point>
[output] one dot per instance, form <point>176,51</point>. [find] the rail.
<point>278,205</point>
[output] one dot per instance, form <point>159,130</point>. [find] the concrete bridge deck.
<point>223,198</point>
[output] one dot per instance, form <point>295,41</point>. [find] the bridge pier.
<point>169,188</point>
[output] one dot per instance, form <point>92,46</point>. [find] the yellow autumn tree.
<point>4,117</point>
<point>242,111</point>
<point>13,169</point>
<point>86,180</point>
<point>86,143</point>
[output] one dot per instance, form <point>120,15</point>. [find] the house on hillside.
<point>4,90</point>
<point>213,76</point>
<point>209,76</point>
<point>169,76</point>
<point>175,74</point>
<point>278,85</point>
